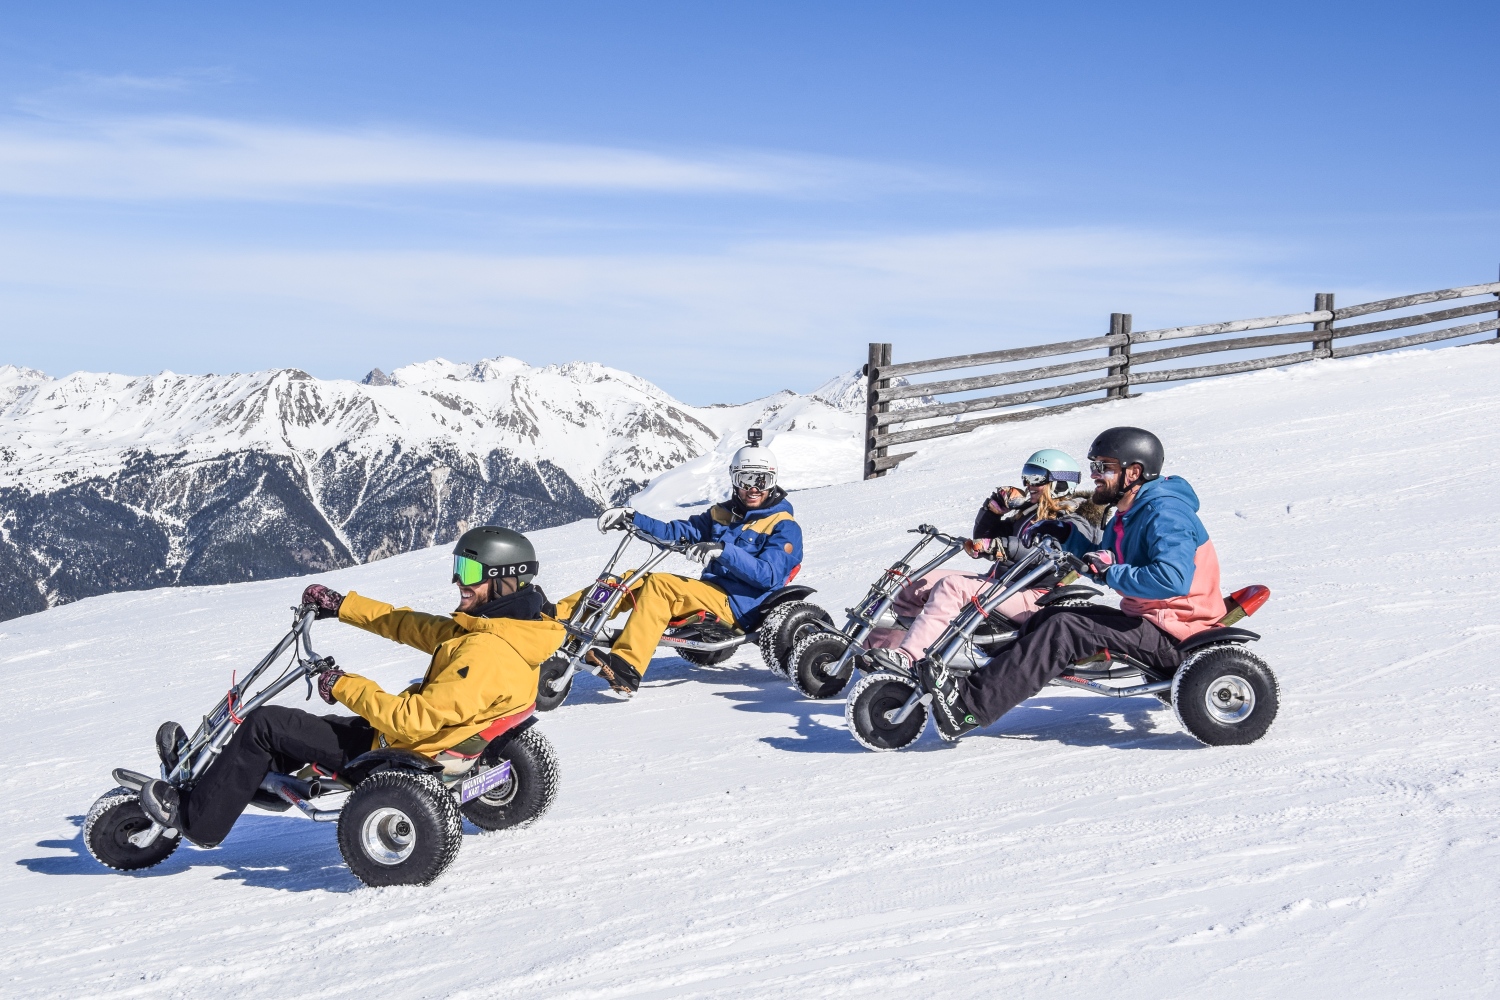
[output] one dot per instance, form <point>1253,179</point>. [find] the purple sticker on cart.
<point>482,782</point>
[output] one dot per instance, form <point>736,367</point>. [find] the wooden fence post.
<point>880,355</point>
<point>1323,346</point>
<point>1119,323</point>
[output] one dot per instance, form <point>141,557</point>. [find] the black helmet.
<point>1131,445</point>
<point>488,552</point>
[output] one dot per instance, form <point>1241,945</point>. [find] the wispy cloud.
<point>205,158</point>
<point>801,310</point>
<point>168,83</point>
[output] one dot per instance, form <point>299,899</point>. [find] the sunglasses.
<point>1103,468</point>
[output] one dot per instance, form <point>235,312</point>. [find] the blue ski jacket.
<point>1165,568</point>
<point>762,548</point>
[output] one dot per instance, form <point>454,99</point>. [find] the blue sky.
<point>727,199</point>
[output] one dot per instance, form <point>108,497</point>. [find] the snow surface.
<point>719,836</point>
<point>818,440</point>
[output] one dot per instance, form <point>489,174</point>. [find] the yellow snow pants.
<point>653,603</point>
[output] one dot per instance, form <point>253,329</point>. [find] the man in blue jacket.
<point>749,545</point>
<point>1156,554</point>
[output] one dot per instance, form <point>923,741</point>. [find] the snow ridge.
<point>112,482</point>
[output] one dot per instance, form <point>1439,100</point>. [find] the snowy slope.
<point>818,440</point>
<point>721,837</point>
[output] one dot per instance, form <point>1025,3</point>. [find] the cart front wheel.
<point>871,704</point>
<point>114,818</point>
<point>546,698</point>
<point>811,663</point>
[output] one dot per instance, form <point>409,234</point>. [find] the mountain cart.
<point>774,625</point>
<point>1222,693</point>
<point>399,813</point>
<point>823,660</point>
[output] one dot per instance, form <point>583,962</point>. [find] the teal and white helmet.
<point>1054,466</point>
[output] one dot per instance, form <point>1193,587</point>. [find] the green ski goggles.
<point>466,571</point>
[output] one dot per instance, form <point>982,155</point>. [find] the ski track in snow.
<point>722,837</point>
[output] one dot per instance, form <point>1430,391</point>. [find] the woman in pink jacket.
<point>933,600</point>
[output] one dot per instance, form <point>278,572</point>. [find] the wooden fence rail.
<point>894,401</point>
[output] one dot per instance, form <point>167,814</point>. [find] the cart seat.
<point>1219,633</point>
<point>459,758</point>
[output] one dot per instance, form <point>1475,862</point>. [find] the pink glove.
<point>1099,561</point>
<point>326,680</point>
<point>980,548</point>
<point>1006,499</point>
<point>324,600</point>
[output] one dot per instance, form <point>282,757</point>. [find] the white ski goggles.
<point>749,479</point>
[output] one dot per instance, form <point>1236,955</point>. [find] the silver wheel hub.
<point>1229,699</point>
<point>503,793</point>
<point>388,836</point>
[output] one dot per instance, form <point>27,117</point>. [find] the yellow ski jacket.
<point>481,669</point>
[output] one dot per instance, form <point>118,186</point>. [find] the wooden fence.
<point>915,406</point>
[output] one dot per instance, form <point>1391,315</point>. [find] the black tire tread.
<point>856,708</point>
<point>119,797</point>
<point>1218,660</point>
<point>423,794</point>
<point>800,670</point>
<point>702,659</point>
<point>776,642</point>
<point>769,627</point>
<point>532,747</point>
<point>547,700</point>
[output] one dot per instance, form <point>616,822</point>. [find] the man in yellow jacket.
<point>484,666</point>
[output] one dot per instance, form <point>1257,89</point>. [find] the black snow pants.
<point>271,738</point>
<point>1052,639</point>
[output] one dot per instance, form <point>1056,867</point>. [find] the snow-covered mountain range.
<point>113,482</point>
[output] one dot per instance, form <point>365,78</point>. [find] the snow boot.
<point>160,802</point>
<point>953,720</point>
<point>893,661</point>
<point>622,678</point>
<point>169,742</point>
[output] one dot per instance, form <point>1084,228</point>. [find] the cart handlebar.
<point>650,539</point>
<point>931,532</point>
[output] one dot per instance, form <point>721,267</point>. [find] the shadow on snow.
<point>266,851</point>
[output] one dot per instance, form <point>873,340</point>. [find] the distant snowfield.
<point>719,836</point>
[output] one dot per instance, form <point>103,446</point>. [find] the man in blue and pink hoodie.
<point>1156,554</point>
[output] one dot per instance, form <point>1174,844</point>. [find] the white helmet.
<point>753,466</point>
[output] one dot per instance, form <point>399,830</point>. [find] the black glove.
<point>326,680</point>
<point>1045,529</point>
<point>324,600</point>
<point>704,552</point>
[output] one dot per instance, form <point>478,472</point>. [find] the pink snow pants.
<point>935,600</point>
